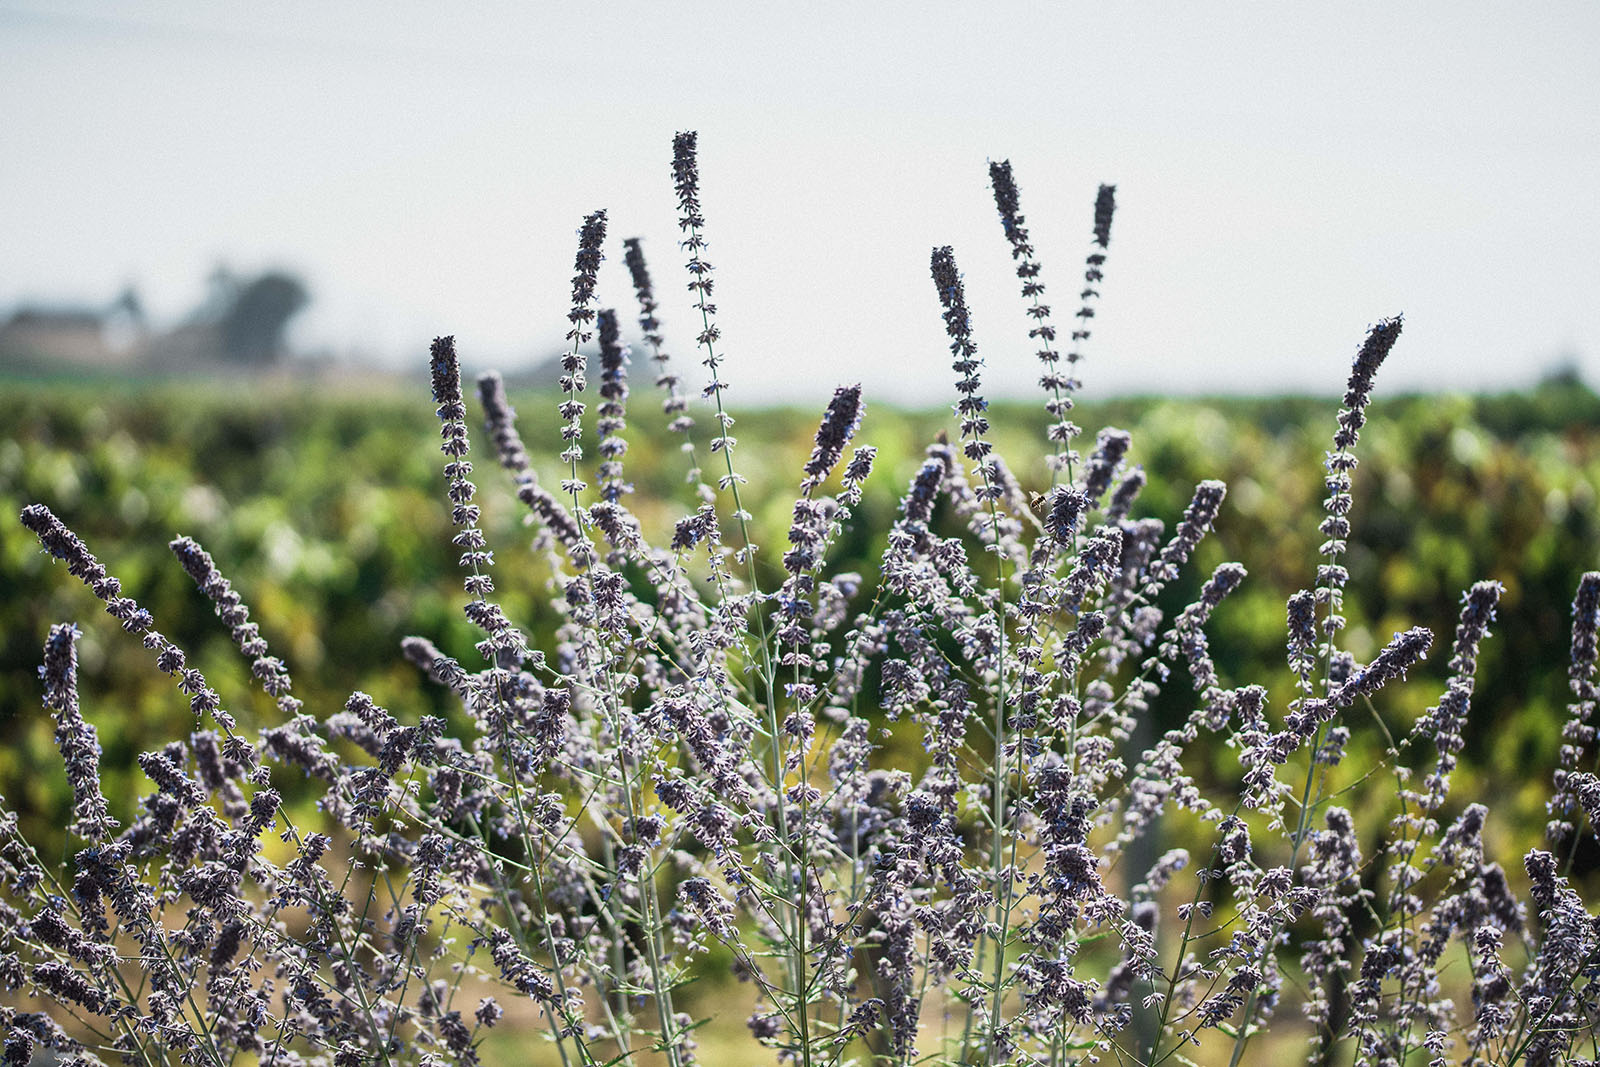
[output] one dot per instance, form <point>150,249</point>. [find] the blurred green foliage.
<point>326,510</point>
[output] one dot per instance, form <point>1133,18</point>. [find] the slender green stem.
<point>797,961</point>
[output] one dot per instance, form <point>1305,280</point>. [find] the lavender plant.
<point>689,779</point>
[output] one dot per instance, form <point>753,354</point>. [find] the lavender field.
<point>468,726</point>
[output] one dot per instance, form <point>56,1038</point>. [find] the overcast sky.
<point>1286,174</point>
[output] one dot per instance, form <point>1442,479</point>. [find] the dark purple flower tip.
<point>839,424</point>
<point>918,503</point>
<point>1374,350</point>
<point>1586,605</point>
<point>1477,612</point>
<point>633,257</point>
<point>1585,623</point>
<point>60,659</point>
<point>1005,195</point>
<point>590,237</point>
<point>610,338</point>
<point>946,278</point>
<point>1105,205</point>
<point>500,420</point>
<point>1302,619</point>
<point>685,168</point>
<point>1224,580</point>
<point>687,533</point>
<point>196,561</point>
<point>446,371</point>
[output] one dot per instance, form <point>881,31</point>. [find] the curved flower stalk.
<point>268,670</point>
<point>674,402</point>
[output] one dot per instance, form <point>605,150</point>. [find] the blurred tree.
<point>253,323</point>
<point>242,321</point>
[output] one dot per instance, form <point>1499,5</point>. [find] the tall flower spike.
<point>585,267</point>
<point>1105,205</point>
<point>1341,462</point>
<point>1189,637</point>
<point>613,407</point>
<point>66,546</point>
<point>674,403</point>
<point>1197,520</point>
<point>1057,385</point>
<point>268,670</point>
<point>855,473</point>
<point>1302,644</point>
<point>1444,721</point>
<point>75,737</point>
<point>917,506</point>
<point>1579,732</point>
<point>504,642</point>
<point>686,180</point>
<point>1122,500</point>
<point>1066,510</point>
<point>971,406</point>
<point>500,422</point>
<point>453,430</point>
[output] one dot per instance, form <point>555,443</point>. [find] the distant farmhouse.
<point>46,338</point>
<point>241,325</point>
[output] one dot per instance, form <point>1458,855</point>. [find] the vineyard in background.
<point>327,511</point>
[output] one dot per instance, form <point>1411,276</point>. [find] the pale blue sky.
<point>1287,173</point>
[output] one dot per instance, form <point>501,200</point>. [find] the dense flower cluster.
<point>700,767</point>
